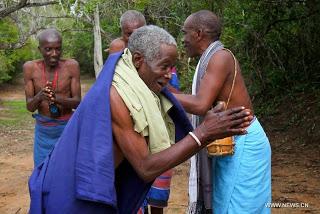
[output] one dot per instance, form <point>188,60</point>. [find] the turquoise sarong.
<point>46,133</point>
<point>242,182</point>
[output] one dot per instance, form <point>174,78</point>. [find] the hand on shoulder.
<point>117,45</point>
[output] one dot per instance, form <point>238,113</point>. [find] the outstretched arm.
<point>210,86</point>
<point>134,146</point>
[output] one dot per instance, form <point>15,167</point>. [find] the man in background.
<point>129,21</point>
<point>52,87</point>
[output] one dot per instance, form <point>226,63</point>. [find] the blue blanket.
<point>79,176</point>
<point>45,137</point>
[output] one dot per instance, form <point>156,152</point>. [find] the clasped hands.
<point>48,93</point>
<point>218,123</point>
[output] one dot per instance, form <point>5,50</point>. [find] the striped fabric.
<point>159,192</point>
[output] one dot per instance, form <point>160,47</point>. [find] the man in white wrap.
<point>233,184</point>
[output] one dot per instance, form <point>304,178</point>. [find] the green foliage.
<point>281,44</point>
<point>5,66</point>
<point>78,44</point>
<point>186,73</point>
<point>276,45</point>
<point>7,32</point>
<point>11,60</point>
<point>14,59</point>
<point>80,48</point>
<point>7,35</point>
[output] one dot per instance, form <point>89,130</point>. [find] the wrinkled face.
<point>156,74</point>
<point>190,38</point>
<point>128,29</point>
<point>51,51</point>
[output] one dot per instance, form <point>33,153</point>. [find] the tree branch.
<point>21,4</point>
<point>39,4</point>
<point>21,42</point>
<point>50,17</point>
<point>23,34</point>
<point>76,30</point>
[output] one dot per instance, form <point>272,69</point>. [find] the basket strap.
<point>234,77</point>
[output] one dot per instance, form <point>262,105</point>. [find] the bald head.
<point>49,35</point>
<point>206,21</point>
<point>50,46</point>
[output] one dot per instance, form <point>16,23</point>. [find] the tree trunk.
<point>98,62</point>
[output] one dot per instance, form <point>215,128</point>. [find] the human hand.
<point>47,93</point>
<point>242,125</point>
<point>218,124</point>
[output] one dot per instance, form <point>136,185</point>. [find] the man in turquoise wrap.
<point>240,183</point>
<point>119,138</point>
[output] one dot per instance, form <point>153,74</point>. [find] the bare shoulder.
<point>72,65</point>
<point>29,66</point>
<point>115,98</point>
<point>119,111</point>
<point>221,60</point>
<point>27,69</point>
<point>117,45</point>
<point>70,62</point>
<point>221,56</point>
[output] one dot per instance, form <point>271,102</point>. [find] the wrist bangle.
<point>195,138</point>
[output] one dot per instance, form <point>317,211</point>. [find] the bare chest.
<point>60,78</point>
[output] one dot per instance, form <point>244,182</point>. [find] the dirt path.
<point>295,167</point>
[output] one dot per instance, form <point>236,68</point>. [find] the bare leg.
<point>156,210</point>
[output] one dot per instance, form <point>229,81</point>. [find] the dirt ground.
<point>295,162</point>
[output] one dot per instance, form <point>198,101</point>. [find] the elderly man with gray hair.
<point>127,131</point>
<point>129,21</point>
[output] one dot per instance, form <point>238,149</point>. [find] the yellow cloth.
<point>149,112</point>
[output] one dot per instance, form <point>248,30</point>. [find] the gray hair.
<point>132,16</point>
<point>148,39</point>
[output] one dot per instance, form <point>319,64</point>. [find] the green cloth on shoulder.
<point>149,111</point>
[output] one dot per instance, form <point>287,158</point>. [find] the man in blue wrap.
<point>240,183</point>
<point>52,87</point>
<point>118,140</point>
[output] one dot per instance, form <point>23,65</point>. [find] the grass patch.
<point>14,113</point>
